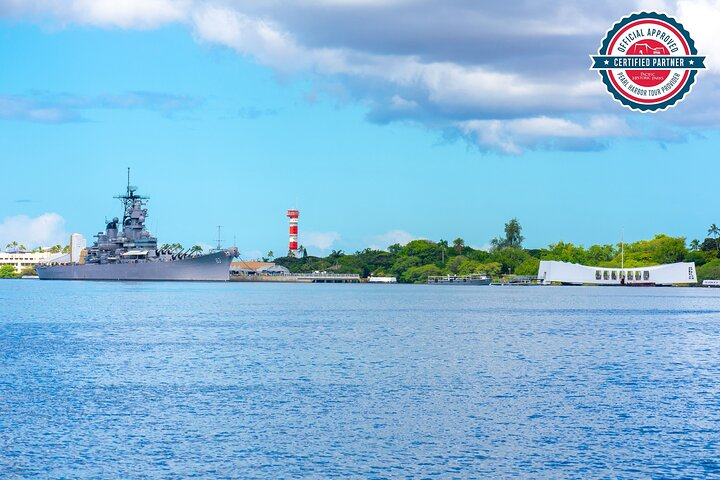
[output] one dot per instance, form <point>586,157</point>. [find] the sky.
<point>382,121</point>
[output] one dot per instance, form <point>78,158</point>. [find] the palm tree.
<point>459,244</point>
<point>22,248</point>
<point>13,245</point>
<point>195,249</point>
<point>270,254</point>
<point>695,244</point>
<point>715,231</point>
<point>443,245</point>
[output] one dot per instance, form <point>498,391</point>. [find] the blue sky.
<point>421,122</point>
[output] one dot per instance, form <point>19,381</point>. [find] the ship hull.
<point>213,267</point>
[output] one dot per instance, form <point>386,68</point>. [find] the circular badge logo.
<point>648,62</point>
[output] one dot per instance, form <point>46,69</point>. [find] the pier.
<point>315,277</point>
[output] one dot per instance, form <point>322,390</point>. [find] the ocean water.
<point>178,380</point>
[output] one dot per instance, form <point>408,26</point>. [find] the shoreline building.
<point>250,268</point>
<point>20,260</point>
<point>552,271</point>
<point>78,246</point>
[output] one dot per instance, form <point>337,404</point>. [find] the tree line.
<point>418,259</point>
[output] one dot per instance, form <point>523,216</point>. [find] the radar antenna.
<point>128,199</point>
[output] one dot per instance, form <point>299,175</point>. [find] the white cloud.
<point>485,248</point>
<point>320,240</point>
<point>45,230</point>
<point>701,18</point>
<point>512,136</point>
<point>259,38</point>
<point>381,242</point>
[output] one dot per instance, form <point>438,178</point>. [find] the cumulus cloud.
<point>320,240</point>
<point>511,136</point>
<point>45,230</point>
<point>517,69</point>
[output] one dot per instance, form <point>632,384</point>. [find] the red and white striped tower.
<point>293,215</point>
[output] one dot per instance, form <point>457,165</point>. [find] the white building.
<point>551,271</point>
<point>77,245</point>
<point>21,260</point>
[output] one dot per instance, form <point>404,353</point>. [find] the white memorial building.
<point>552,271</point>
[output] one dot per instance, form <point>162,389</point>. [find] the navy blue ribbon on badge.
<point>648,62</point>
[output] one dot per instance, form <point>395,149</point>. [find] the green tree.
<point>709,271</point>
<point>443,244</point>
<point>512,234</point>
<point>27,272</point>
<point>669,250</point>
<point>695,245</point>
<point>454,264</point>
<point>395,248</point>
<point>403,264</point>
<point>270,254</point>
<point>468,267</point>
<point>458,245</point>
<point>421,273</point>
<point>512,239</point>
<point>566,252</point>
<point>7,271</point>
<point>426,250</point>
<point>336,254</point>
<point>597,254</point>
<point>714,231</point>
<point>510,258</point>
<point>697,257</point>
<point>529,266</point>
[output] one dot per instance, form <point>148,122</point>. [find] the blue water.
<point>175,380</point>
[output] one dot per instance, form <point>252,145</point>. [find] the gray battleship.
<point>133,253</point>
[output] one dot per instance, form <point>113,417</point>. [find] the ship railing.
<point>473,276</point>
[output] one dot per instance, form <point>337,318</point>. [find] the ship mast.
<point>129,198</point>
